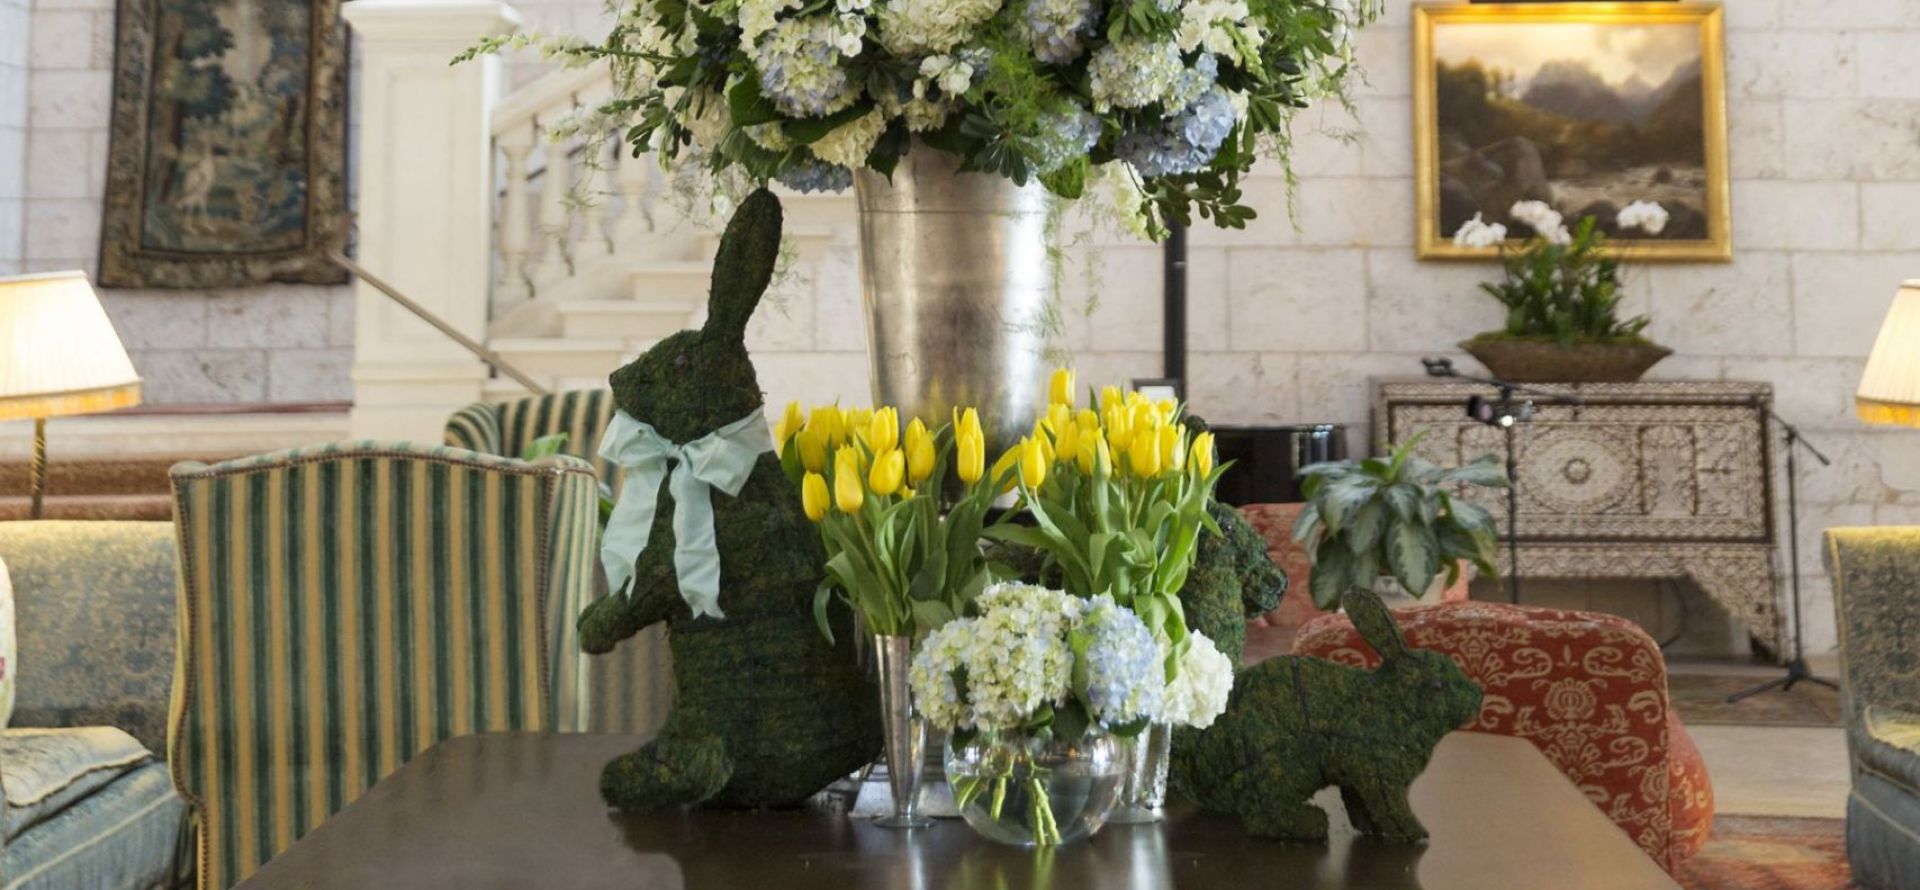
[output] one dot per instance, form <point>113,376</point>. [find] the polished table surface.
<point>522,811</point>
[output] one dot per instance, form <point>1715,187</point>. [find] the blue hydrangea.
<point>800,69</point>
<point>1060,28</point>
<point>1193,83</point>
<point>1066,135</point>
<point>816,176</point>
<point>1125,675</point>
<point>1184,143</point>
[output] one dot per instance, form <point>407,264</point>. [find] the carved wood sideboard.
<point>1659,479</point>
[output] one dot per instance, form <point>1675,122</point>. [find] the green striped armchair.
<point>1876,595</point>
<point>344,607</point>
<point>632,685</point>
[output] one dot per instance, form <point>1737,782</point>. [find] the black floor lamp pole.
<point>1797,669</point>
<point>1173,292</point>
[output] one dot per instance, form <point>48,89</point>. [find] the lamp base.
<point>37,467</point>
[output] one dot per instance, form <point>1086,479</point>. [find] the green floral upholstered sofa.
<point>1876,589</point>
<point>89,803</point>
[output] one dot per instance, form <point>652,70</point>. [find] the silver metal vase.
<point>906,733</point>
<point>958,290</point>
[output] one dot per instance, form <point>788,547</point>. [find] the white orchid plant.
<point>1561,287</point>
<point>1168,101</point>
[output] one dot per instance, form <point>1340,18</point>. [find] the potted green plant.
<point>1562,295</point>
<point>1399,519</point>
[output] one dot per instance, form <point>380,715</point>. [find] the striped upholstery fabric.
<point>632,685</point>
<point>346,606</point>
<point>507,428</point>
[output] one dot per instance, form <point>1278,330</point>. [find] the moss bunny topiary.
<point>1233,579</point>
<point>766,711</point>
<point>1295,725</point>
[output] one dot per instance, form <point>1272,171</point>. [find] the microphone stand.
<point>1506,419</point>
<point>1797,669</point>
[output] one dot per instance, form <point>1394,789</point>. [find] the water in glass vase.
<point>1031,792</point>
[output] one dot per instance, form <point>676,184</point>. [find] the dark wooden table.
<point>521,811</point>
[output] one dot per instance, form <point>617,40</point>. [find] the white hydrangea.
<point>1198,693</point>
<point>757,17</point>
<point>768,136</point>
<point>1133,73</point>
<point>921,113</point>
<point>849,144</point>
<point>1648,216</point>
<point>853,29</point>
<point>1014,658</point>
<point>1479,233</point>
<point>1213,25</point>
<point>1542,219</point>
<point>800,67</point>
<point>927,27</point>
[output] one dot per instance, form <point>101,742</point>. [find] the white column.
<point>425,192</point>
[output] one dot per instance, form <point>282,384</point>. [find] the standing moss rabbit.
<point>1295,725</point>
<point>766,711</point>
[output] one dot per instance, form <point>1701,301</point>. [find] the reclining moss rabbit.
<point>1296,724</point>
<point>767,711</point>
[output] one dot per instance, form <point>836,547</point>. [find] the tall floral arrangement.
<point>905,558</point>
<point>1118,494</point>
<point>1173,100</point>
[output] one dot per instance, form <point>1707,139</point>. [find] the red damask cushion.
<point>1589,690</point>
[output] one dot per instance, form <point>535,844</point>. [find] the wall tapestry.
<point>228,155</point>
<point>1587,107</point>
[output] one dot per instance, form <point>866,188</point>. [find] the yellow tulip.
<point>920,451</point>
<point>1119,428</point>
<point>1168,409</point>
<point>967,423</point>
<point>812,444</point>
<point>847,493</point>
<point>883,430</point>
<point>1060,387</point>
<point>1172,455</point>
<point>970,455</point>
<point>790,423</point>
<point>1045,442</point>
<point>1143,456</point>
<point>856,423</point>
<point>1086,452</point>
<point>889,468</point>
<point>1003,472</point>
<point>1109,397</point>
<point>1066,438</point>
<point>814,497</point>
<point>1102,459</point>
<point>830,424</point>
<point>1057,416</point>
<point>1203,454</point>
<point>1144,417</point>
<point>1033,462</point>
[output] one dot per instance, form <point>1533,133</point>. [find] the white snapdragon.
<point>849,144</point>
<point>1542,219</point>
<point>1198,693</point>
<point>1647,216</point>
<point>1479,233</point>
<point>953,75</point>
<point>1214,25</point>
<point>853,29</point>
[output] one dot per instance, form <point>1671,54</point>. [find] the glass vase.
<point>1143,787</point>
<point>905,732</point>
<point>1025,791</point>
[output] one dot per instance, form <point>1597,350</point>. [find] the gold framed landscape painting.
<point>1589,108</point>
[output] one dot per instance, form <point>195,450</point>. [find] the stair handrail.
<point>481,352</point>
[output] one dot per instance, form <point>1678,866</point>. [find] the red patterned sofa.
<point>1275,523</point>
<point>1589,690</point>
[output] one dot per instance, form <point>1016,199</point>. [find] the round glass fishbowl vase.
<point>1028,791</point>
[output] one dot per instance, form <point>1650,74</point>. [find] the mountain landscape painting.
<point>1586,111</point>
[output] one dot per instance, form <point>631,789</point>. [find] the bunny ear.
<point>1375,623</point>
<point>744,265</point>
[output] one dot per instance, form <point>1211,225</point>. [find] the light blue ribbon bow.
<point>722,459</point>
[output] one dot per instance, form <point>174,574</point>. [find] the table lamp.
<point>59,355</point>
<point>1890,388</point>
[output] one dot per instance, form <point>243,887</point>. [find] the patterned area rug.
<point>1770,853</point>
<point>1702,699</point>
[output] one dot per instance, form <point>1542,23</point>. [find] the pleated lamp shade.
<point>1890,388</point>
<point>58,352</point>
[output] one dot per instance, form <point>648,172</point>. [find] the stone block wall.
<point>14,15</point>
